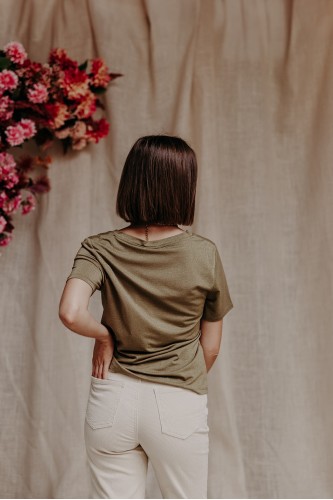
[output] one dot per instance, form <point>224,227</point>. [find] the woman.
<point>164,295</point>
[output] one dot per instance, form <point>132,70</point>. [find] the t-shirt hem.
<point>115,367</point>
<point>221,316</point>
<point>229,307</point>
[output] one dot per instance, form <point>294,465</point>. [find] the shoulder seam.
<point>99,267</point>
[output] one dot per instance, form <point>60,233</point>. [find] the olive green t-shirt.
<point>154,294</point>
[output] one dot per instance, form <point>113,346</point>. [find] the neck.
<point>155,230</point>
<point>157,225</point>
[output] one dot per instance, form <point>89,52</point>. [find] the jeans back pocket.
<point>103,401</point>
<point>181,411</point>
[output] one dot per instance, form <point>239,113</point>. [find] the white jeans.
<point>130,420</point>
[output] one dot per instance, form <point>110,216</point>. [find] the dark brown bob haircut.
<point>158,182</point>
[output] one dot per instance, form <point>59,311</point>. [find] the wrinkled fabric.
<point>129,419</point>
<point>249,85</point>
<point>154,295</point>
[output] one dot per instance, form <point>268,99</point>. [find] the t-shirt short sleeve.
<point>87,267</point>
<point>218,301</point>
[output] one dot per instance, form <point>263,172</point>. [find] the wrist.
<point>103,337</point>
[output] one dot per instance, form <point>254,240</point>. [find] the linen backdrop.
<point>249,85</point>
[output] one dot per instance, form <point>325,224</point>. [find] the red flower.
<point>100,76</point>
<point>60,58</point>
<point>75,83</point>
<point>38,93</point>
<point>58,113</point>
<point>97,130</point>
<point>87,106</point>
<point>6,108</point>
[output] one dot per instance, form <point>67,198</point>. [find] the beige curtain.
<point>249,83</point>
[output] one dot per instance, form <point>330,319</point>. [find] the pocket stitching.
<point>91,420</point>
<point>109,381</point>
<point>165,426</point>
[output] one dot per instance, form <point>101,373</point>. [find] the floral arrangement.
<point>14,182</point>
<point>43,102</point>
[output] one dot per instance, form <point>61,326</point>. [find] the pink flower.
<point>8,80</point>
<point>12,180</point>
<point>6,240</point>
<point>38,93</point>
<point>9,177</point>
<point>15,51</point>
<point>6,108</point>
<point>15,135</point>
<point>3,198</point>
<point>29,128</point>
<point>16,202</point>
<point>8,174</point>
<point>3,223</point>
<point>10,205</point>
<point>7,160</point>
<point>28,204</point>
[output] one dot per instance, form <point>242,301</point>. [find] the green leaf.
<point>69,123</point>
<point>66,143</point>
<point>84,65</point>
<point>4,63</point>
<point>97,90</point>
<point>16,94</point>
<point>43,135</point>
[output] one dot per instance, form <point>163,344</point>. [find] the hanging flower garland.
<point>43,102</point>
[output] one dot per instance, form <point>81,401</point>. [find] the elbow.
<point>68,317</point>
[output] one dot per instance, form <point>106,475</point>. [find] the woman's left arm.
<point>73,312</point>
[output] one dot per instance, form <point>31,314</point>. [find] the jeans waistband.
<point>122,376</point>
<point>134,381</point>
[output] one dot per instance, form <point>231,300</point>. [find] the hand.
<point>102,357</point>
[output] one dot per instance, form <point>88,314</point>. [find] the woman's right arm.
<point>210,339</point>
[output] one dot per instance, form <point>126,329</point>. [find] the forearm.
<point>210,359</point>
<point>85,324</point>
<point>210,340</point>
